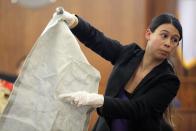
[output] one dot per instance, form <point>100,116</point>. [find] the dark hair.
<point>163,19</point>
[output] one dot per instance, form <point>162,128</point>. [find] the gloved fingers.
<point>80,103</point>
<point>59,13</point>
<point>60,10</point>
<point>60,17</point>
<point>70,19</point>
<point>72,98</point>
<point>63,14</point>
<point>83,98</point>
<point>74,102</point>
<point>66,97</point>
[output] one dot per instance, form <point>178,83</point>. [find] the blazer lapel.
<point>125,71</point>
<point>150,77</point>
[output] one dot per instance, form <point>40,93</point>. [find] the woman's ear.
<point>147,34</point>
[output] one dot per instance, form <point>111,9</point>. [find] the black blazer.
<point>151,97</point>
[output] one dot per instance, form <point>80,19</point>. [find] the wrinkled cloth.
<point>55,65</point>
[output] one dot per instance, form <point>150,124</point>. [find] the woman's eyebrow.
<point>165,31</point>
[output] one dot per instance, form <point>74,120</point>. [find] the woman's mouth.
<point>165,53</point>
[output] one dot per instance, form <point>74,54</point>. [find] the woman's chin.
<point>161,57</point>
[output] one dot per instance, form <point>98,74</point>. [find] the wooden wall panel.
<point>185,116</point>
<point>11,30</point>
<point>185,120</point>
<point>157,7</point>
<point>187,93</point>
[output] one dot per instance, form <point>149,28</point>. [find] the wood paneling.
<point>187,92</point>
<point>185,120</point>
<point>185,116</point>
<point>157,7</point>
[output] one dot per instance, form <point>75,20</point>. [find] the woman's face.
<point>163,41</point>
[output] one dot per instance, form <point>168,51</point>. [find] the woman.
<point>142,82</point>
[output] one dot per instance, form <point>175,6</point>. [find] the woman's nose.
<point>167,43</point>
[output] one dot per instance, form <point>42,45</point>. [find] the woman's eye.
<point>164,35</point>
<point>175,40</point>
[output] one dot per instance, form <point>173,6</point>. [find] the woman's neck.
<point>148,62</point>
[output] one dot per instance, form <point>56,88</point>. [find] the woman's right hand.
<point>69,18</point>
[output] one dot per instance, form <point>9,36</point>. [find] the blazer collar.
<point>125,71</point>
<point>150,76</point>
<point>155,72</point>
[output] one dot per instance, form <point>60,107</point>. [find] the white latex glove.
<point>69,18</point>
<point>83,98</point>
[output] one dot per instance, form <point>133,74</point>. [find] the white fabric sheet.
<point>55,65</point>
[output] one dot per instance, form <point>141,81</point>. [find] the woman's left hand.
<point>83,98</point>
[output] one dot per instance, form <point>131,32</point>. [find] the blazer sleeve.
<point>153,103</point>
<point>92,38</point>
